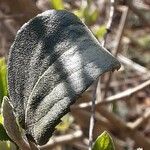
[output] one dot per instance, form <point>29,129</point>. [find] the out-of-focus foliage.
<point>89,17</point>
<point>57,4</point>
<point>99,31</point>
<point>144,42</point>
<point>103,142</point>
<point>3,79</point>
<point>67,120</point>
<point>88,13</point>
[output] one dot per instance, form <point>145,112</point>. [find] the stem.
<point>92,118</point>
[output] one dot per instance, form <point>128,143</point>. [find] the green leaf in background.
<point>88,13</point>
<point>90,16</point>
<point>67,120</point>
<point>144,41</point>
<point>3,79</point>
<point>57,4</point>
<point>103,142</point>
<point>99,31</point>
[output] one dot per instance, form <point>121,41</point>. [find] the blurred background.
<point>123,97</point>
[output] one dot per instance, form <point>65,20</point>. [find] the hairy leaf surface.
<point>53,59</point>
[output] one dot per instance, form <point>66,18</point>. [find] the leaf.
<point>103,142</point>
<point>99,31</point>
<point>94,15</point>
<point>53,59</point>
<point>3,80</point>
<point>10,124</point>
<point>65,124</point>
<point>143,41</point>
<point>3,134</point>
<point>57,4</point>
<point>90,16</point>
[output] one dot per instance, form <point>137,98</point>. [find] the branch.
<point>91,128</point>
<point>132,64</point>
<point>141,120</point>
<point>117,47</point>
<point>80,145</point>
<point>100,121</point>
<point>137,12</point>
<point>68,138</point>
<point>110,21</point>
<point>32,145</point>
<point>129,92</point>
<point>92,118</point>
<point>120,96</point>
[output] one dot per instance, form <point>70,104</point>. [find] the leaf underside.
<point>10,123</point>
<point>53,59</point>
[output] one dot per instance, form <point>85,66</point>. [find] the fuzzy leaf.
<point>57,4</point>
<point>9,122</point>
<point>53,59</point>
<point>103,142</point>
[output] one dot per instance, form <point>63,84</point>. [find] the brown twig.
<point>91,128</point>
<point>117,47</point>
<point>79,145</point>
<point>137,12</point>
<point>100,121</point>
<point>132,64</point>
<point>23,145</point>
<point>129,92</point>
<point>32,145</point>
<point>141,120</point>
<point>114,98</point>
<point>120,30</point>
<point>109,24</point>
<point>92,118</point>
<point>68,138</point>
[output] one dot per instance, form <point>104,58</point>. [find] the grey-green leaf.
<point>11,125</point>
<point>103,142</point>
<point>53,59</point>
